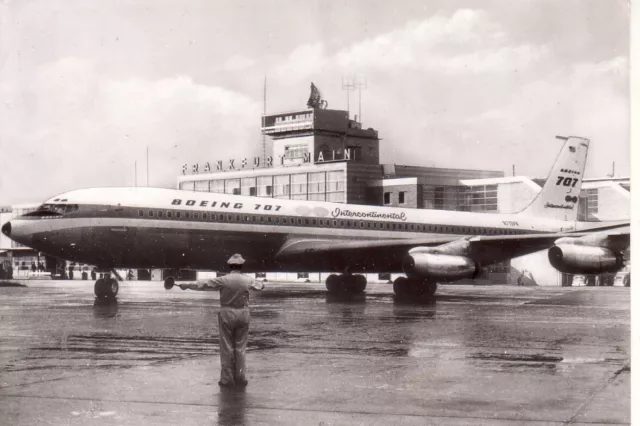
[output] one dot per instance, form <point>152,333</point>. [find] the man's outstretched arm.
<point>257,285</point>
<point>202,285</point>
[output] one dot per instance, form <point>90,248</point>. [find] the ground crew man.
<point>233,319</point>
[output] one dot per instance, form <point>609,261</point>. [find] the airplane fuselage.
<point>152,227</point>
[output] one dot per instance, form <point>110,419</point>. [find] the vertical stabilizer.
<point>559,196</point>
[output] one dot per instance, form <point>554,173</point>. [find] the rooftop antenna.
<point>264,113</point>
<point>147,165</point>
<point>360,86</point>
<point>348,86</point>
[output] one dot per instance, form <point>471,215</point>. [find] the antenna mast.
<point>360,86</point>
<point>348,86</point>
<point>147,165</point>
<point>264,112</point>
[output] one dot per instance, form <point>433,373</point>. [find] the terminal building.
<point>323,155</point>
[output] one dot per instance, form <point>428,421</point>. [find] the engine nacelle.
<point>439,267</point>
<point>582,259</point>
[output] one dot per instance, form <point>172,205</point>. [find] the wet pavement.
<point>477,355</point>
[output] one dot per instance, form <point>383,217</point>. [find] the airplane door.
<point>121,235</point>
<point>110,237</point>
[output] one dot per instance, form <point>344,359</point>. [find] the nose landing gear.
<point>106,287</point>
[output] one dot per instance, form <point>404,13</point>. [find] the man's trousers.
<point>234,331</point>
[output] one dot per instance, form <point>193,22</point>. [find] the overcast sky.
<point>86,86</point>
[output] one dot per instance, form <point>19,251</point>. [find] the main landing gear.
<point>352,284</point>
<point>107,287</point>
<point>414,288</point>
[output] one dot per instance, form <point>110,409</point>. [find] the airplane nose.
<point>6,229</point>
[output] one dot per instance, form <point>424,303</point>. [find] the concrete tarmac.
<point>494,355</point>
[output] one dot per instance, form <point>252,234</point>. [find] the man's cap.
<point>236,259</point>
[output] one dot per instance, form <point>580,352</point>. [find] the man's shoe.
<point>225,384</point>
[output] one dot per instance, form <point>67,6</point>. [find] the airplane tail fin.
<point>558,198</point>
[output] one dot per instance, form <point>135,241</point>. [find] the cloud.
<point>464,81</point>
<point>80,128</point>
<point>303,62</point>
<point>467,41</point>
<point>235,63</point>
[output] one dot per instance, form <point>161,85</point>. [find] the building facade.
<point>323,155</point>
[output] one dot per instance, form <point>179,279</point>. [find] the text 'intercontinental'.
<point>338,212</point>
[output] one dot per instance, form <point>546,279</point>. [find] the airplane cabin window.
<point>159,213</point>
<point>204,216</point>
<point>150,213</point>
<point>169,214</point>
<point>177,215</point>
<point>140,213</point>
<point>195,215</point>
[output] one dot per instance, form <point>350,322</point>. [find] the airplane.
<point>141,227</point>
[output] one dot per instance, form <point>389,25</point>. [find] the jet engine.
<point>584,259</point>
<point>439,267</point>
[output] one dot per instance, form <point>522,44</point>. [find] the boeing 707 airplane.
<point>166,228</point>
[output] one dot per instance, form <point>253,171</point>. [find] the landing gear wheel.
<point>98,288</point>
<point>414,288</point>
<point>334,283</point>
<point>358,284</point>
<point>430,289</point>
<point>401,286</point>
<point>106,288</point>
<point>417,288</point>
<point>113,288</point>
<point>169,282</point>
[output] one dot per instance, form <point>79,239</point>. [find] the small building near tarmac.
<point>17,260</point>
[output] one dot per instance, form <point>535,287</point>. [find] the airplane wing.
<point>387,255</point>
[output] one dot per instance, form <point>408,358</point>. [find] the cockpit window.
<point>58,208</point>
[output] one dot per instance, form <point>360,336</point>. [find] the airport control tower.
<point>319,135</point>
